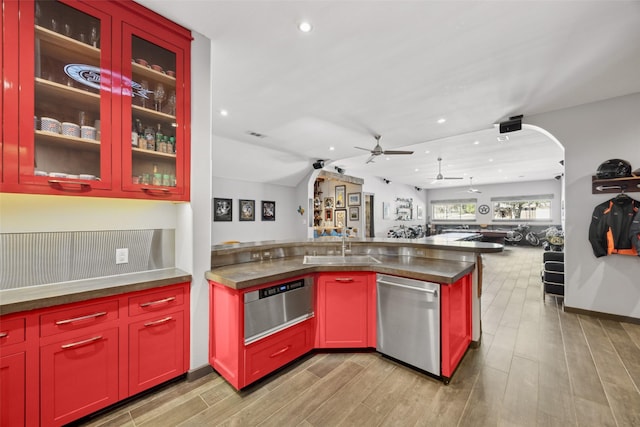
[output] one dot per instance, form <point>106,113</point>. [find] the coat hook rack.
<point>615,185</point>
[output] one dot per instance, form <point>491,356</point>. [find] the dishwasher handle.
<point>426,291</point>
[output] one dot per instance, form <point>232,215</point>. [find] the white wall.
<point>288,221</point>
<point>388,193</point>
<point>529,188</point>
<point>591,134</point>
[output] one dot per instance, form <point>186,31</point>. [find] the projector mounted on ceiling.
<point>513,124</point>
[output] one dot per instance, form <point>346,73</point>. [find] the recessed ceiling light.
<point>416,170</point>
<point>491,160</point>
<point>427,152</point>
<point>332,148</point>
<point>441,120</point>
<point>476,142</point>
<point>387,158</point>
<point>224,113</point>
<point>503,138</point>
<point>305,27</point>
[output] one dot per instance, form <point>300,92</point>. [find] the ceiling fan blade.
<point>370,159</point>
<point>453,177</point>
<point>365,149</point>
<point>396,152</point>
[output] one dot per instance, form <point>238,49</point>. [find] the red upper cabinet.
<point>78,101</point>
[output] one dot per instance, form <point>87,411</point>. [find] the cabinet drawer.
<point>12,331</point>
<point>154,302</point>
<point>271,353</point>
<point>78,317</point>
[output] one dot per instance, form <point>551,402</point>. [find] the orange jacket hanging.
<point>609,232</point>
<point>634,233</point>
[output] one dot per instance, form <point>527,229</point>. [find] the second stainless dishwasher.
<point>408,323</point>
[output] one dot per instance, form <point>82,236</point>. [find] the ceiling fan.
<point>440,177</point>
<point>471,189</point>
<point>377,150</point>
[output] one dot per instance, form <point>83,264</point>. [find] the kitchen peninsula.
<point>343,313</point>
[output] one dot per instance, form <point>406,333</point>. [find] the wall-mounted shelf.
<point>615,185</point>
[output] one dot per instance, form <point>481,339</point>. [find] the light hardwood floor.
<point>537,366</point>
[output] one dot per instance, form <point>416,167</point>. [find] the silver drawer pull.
<point>4,334</point>
<point>160,301</point>
<point>77,319</point>
<point>83,342</point>
<point>343,279</point>
<point>427,291</point>
<point>158,322</point>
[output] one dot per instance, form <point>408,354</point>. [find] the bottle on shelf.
<point>134,135</point>
<point>142,142</point>
<point>150,138</point>
<point>159,138</point>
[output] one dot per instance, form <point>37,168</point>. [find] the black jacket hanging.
<point>634,233</point>
<point>610,225</point>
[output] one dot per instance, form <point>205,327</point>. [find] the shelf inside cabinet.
<point>148,114</point>
<point>145,71</point>
<point>67,141</point>
<point>615,185</point>
<point>65,48</point>
<point>66,94</point>
<point>154,154</point>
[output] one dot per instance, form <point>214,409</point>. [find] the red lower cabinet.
<point>78,375</point>
<point>346,310</point>
<point>13,389</point>
<point>156,352</point>
<point>270,353</point>
<point>455,312</point>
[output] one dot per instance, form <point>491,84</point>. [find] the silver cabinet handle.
<point>160,301</point>
<point>4,334</point>
<point>158,322</point>
<point>426,291</point>
<point>83,342</point>
<point>343,279</point>
<point>77,319</point>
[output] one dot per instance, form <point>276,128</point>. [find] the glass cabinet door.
<point>68,144</point>
<point>153,115</point>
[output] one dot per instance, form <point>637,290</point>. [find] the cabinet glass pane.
<point>67,92</point>
<point>153,110</point>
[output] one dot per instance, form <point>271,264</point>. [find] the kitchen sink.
<point>339,260</point>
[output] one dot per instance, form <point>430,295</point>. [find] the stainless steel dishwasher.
<point>408,324</point>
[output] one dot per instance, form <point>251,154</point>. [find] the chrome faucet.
<point>344,245</point>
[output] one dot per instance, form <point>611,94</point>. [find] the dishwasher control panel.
<point>278,289</point>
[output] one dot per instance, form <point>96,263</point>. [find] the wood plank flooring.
<point>537,366</point>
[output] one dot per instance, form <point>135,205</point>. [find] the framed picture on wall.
<point>247,210</point>
<point>340,202</point>
<point>385,210</point>
<point>328,202</point>
<point>328,215</point>
<point>268,211</point>
<point>354,214</point>
<point>419,212</point>
<point>340,218</point>
<point>222,209</point>
<point>354,199</point>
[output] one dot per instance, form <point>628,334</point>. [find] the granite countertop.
<point>245,275</point>
<point>33,297</point>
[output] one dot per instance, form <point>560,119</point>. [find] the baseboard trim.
<point>607,316</point>
<point>200,372</point>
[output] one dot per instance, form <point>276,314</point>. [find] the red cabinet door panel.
<point>156,351</point>
<point>12,390</point>
<point>78,376</point>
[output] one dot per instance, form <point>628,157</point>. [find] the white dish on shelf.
<point>57,175</point>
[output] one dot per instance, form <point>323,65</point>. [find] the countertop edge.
<point>43,296</point>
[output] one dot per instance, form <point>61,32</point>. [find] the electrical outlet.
<point>122,256</point>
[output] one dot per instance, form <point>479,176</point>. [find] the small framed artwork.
<point>419,212</point>
<point>222,209</point>
<point>268,211</point>
<point>354,199</point>
<point>341,218</point>
<point>247,210</point>
<point>340,202</point>
<point>328,202</point>
<point>328,215</point>
<point>354,214</point>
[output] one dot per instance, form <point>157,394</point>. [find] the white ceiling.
<point>394,68</point>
